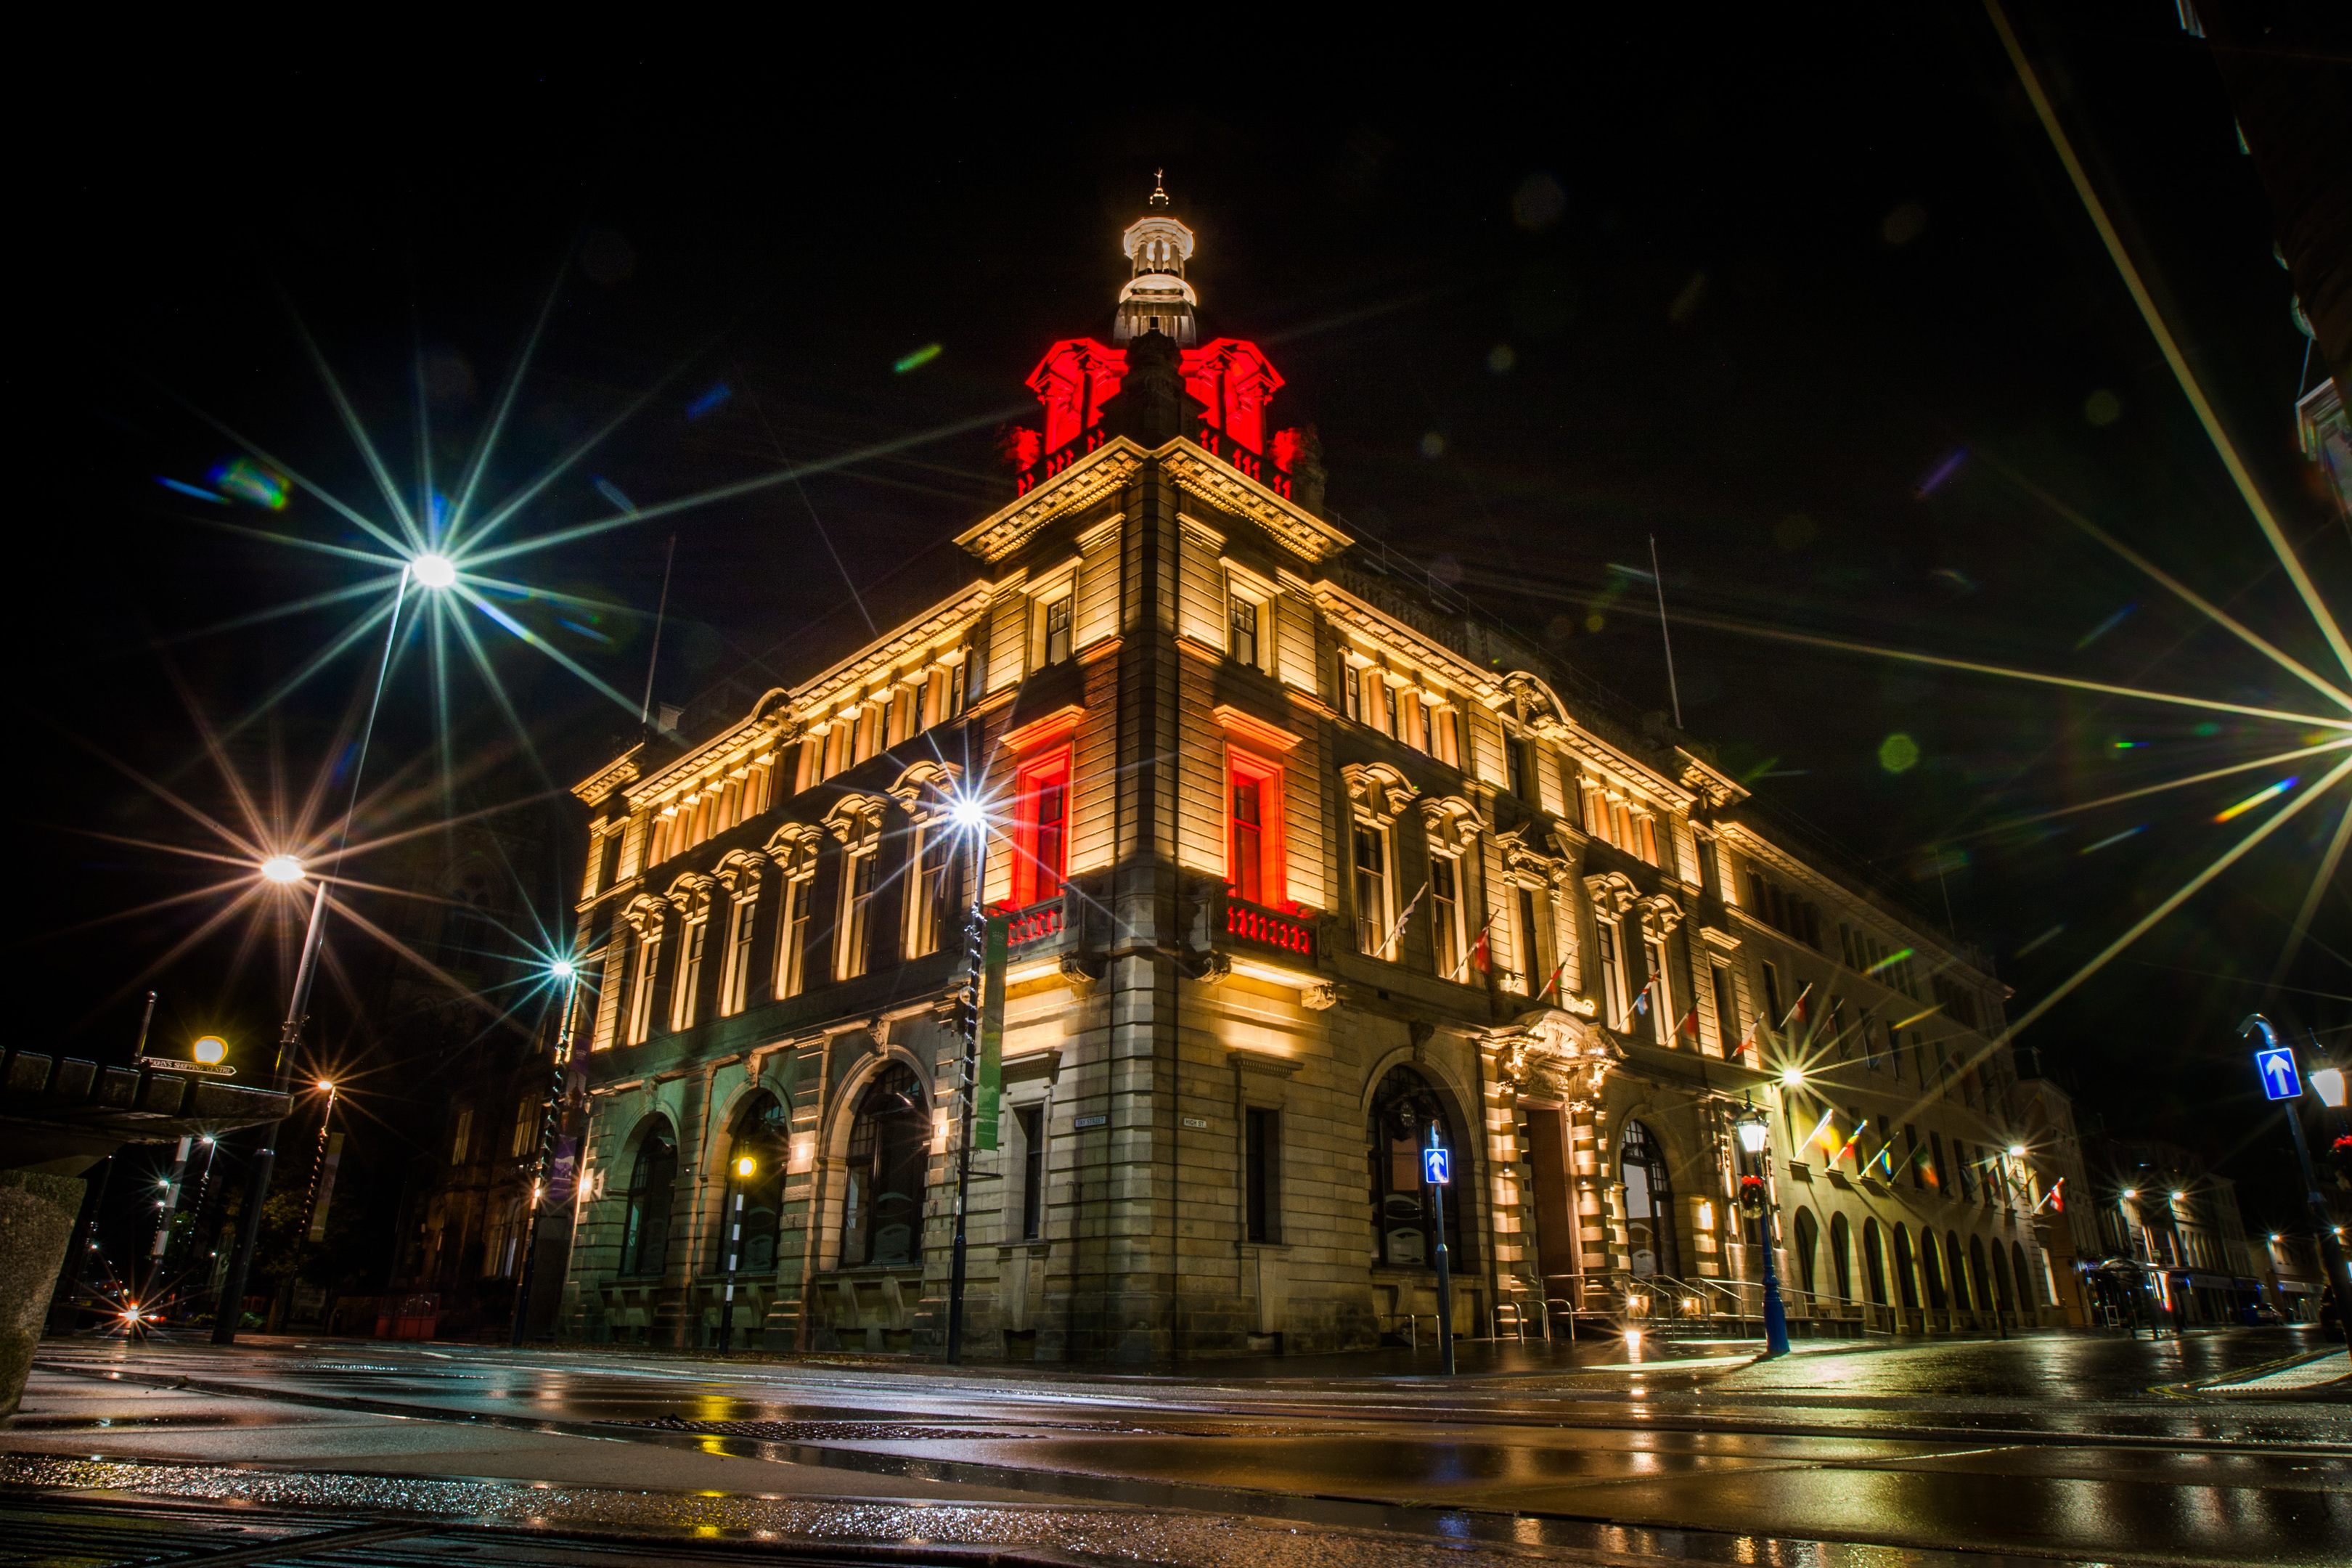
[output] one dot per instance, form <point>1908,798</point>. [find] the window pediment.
<point>1378,793</point>
<point>1612,893</point>
<point>1452,823</point>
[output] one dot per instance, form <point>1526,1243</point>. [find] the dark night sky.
<point>1753,290</point>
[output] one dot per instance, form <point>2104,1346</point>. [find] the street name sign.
<point>2276,1067</point>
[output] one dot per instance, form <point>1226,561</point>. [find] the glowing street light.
<point>210,1050</point>
<point>746,1166</point>
<point>434,571</point>
<point>283,869</point>
<point>2329,1082</point>
<point>2017,1151</point>
<point>1792,1076</point>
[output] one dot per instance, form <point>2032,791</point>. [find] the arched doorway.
<point>762,1135</point>
<point>1957,1271</point>
<point>1978,1285</point>
<point>882,1203</point>
<point>1807,1237</point>
<point>653,1189</point>
<point>1405,1110</point>
<point>1842,1256</point>
<point>1873,1261</point>
<point>2029,1292</point>
<point>1905,1280</point>
<point>1649,1204</point>
<point>1931,1267</point>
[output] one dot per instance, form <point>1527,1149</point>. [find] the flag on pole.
<point>1797,1009</point>
<point>1553,981</point>
<point>1689,1026</point>
<point>1403,920</point>
<point>1482,948</point>
<point>1642,1002</point>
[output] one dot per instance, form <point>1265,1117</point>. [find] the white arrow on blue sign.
<point>2276,1067</point>
<point>1436,1167</point>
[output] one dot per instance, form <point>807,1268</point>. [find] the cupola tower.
<point>1156,298</point>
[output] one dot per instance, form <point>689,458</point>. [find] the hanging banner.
<point>326,1185</point>
<point>990,1085</point>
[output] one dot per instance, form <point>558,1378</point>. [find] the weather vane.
<point>1159,187</point>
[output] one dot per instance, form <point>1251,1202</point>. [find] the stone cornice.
<point>621,769</point>
<point>1223,486</point>
<point>1097,474</point>
<point>875,656</point>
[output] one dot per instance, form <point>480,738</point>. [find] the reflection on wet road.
<point>2045,1445</point>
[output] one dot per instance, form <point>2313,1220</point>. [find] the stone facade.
<point>1305,863</point>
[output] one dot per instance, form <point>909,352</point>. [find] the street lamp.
<point>210,1050</point>
<point>567,973</point>
<point>2331,1248</point>
<point>2329,1082</point>
<point>1755,1133</point>
<point>434,571</point>
<point>228,1306</point>
<point>969,813</point>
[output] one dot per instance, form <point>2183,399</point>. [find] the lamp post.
<point>970,816</point>
<point>566,970</point>
<point>1755,1133</point>
<point>2323,1225</point>
<point>745,1169</point>
<point>228,1306</point>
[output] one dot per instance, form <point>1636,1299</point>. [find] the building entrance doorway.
<point>1649,1204</point>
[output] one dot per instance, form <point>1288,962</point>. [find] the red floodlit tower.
<point>1228,382</point>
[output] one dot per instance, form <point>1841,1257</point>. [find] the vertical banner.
<point>990,1086</point>
<point>326,1185</point>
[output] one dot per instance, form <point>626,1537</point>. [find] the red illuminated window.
<point>1042,850</point>
<point>1253,830</point>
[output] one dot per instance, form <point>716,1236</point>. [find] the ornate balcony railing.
<point>1028,927</point>
<point>1262,926</point>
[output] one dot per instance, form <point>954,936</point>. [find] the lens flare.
<point>2255,799</point>
<point>434,571</point>
<point>283,869</point>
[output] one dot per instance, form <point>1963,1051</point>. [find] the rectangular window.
<point>640,994</point>
<point>1612,975</point>
<point>956,686</point>
<point>1031,1120</point>
<point>1726,1012</point>
<point>1249,848</point>
<point>526,1124</point>
<point>856,913</point>
<point>738,978</point>
<point>1057,630</point>
<point>461,1143</point>
<point>1773,1016</point>
<point>792,936</point>
<point>689,974</point>
<point>1534,973</point>
<point>1352,689</point>
<point>1253,848</point>
<point>1242,618</point>
<point>932,896</point>
<point>1445,915</point>
<point>1261,1176</point>
<point>1371,889</point>
<point>1662,1001</point>
<point>1053,834</point>
<point>1710,871</point>
<point>1519,756</point>
<point>608,868</point>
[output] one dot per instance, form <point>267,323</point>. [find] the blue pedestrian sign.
<point>1436,1167</point>
<point>2276,1068</point>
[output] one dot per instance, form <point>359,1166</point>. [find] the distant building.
<point>2064,1199</point>
<point>2171,1228</point>
<point>1308,864</point>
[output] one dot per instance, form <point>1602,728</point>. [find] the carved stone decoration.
<point>1378,792</point>
<point>1527,867</point>
<point>1661,914</point>
<point>855,818</point>
<point>1537,704</point>
<point>1612,894</point>
<point>1551,1053</point>
<point>924,788</point>
<point>1321,998</point>
<point>1081,978</point>
<point>1454,824</point>
<point>1215,969</point>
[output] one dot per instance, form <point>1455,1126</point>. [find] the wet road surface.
<point>2074,1446</point>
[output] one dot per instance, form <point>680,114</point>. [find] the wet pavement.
<point>2073,1447</point>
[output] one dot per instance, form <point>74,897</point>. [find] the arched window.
<point>889,1167</point>
<point>653,1186</point>
<point>1905,1280</point>
<point>1649,1203</point>
<point>1807,1237</point>
<point>1842,1256</point>
<point>1956,1270</point>
<point>762,1134</point>
<point>1977,1275</point>
<point>2027,1294</point>
<point>1405,1110</point>
<point>1874,1262</point>
<point>1931,1267</point>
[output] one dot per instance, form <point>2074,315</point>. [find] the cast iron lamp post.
<point>1755,1133</point>
<point>568,972</point>
<point>970,816</point>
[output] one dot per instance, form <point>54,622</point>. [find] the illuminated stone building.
<point>1304,857</point>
